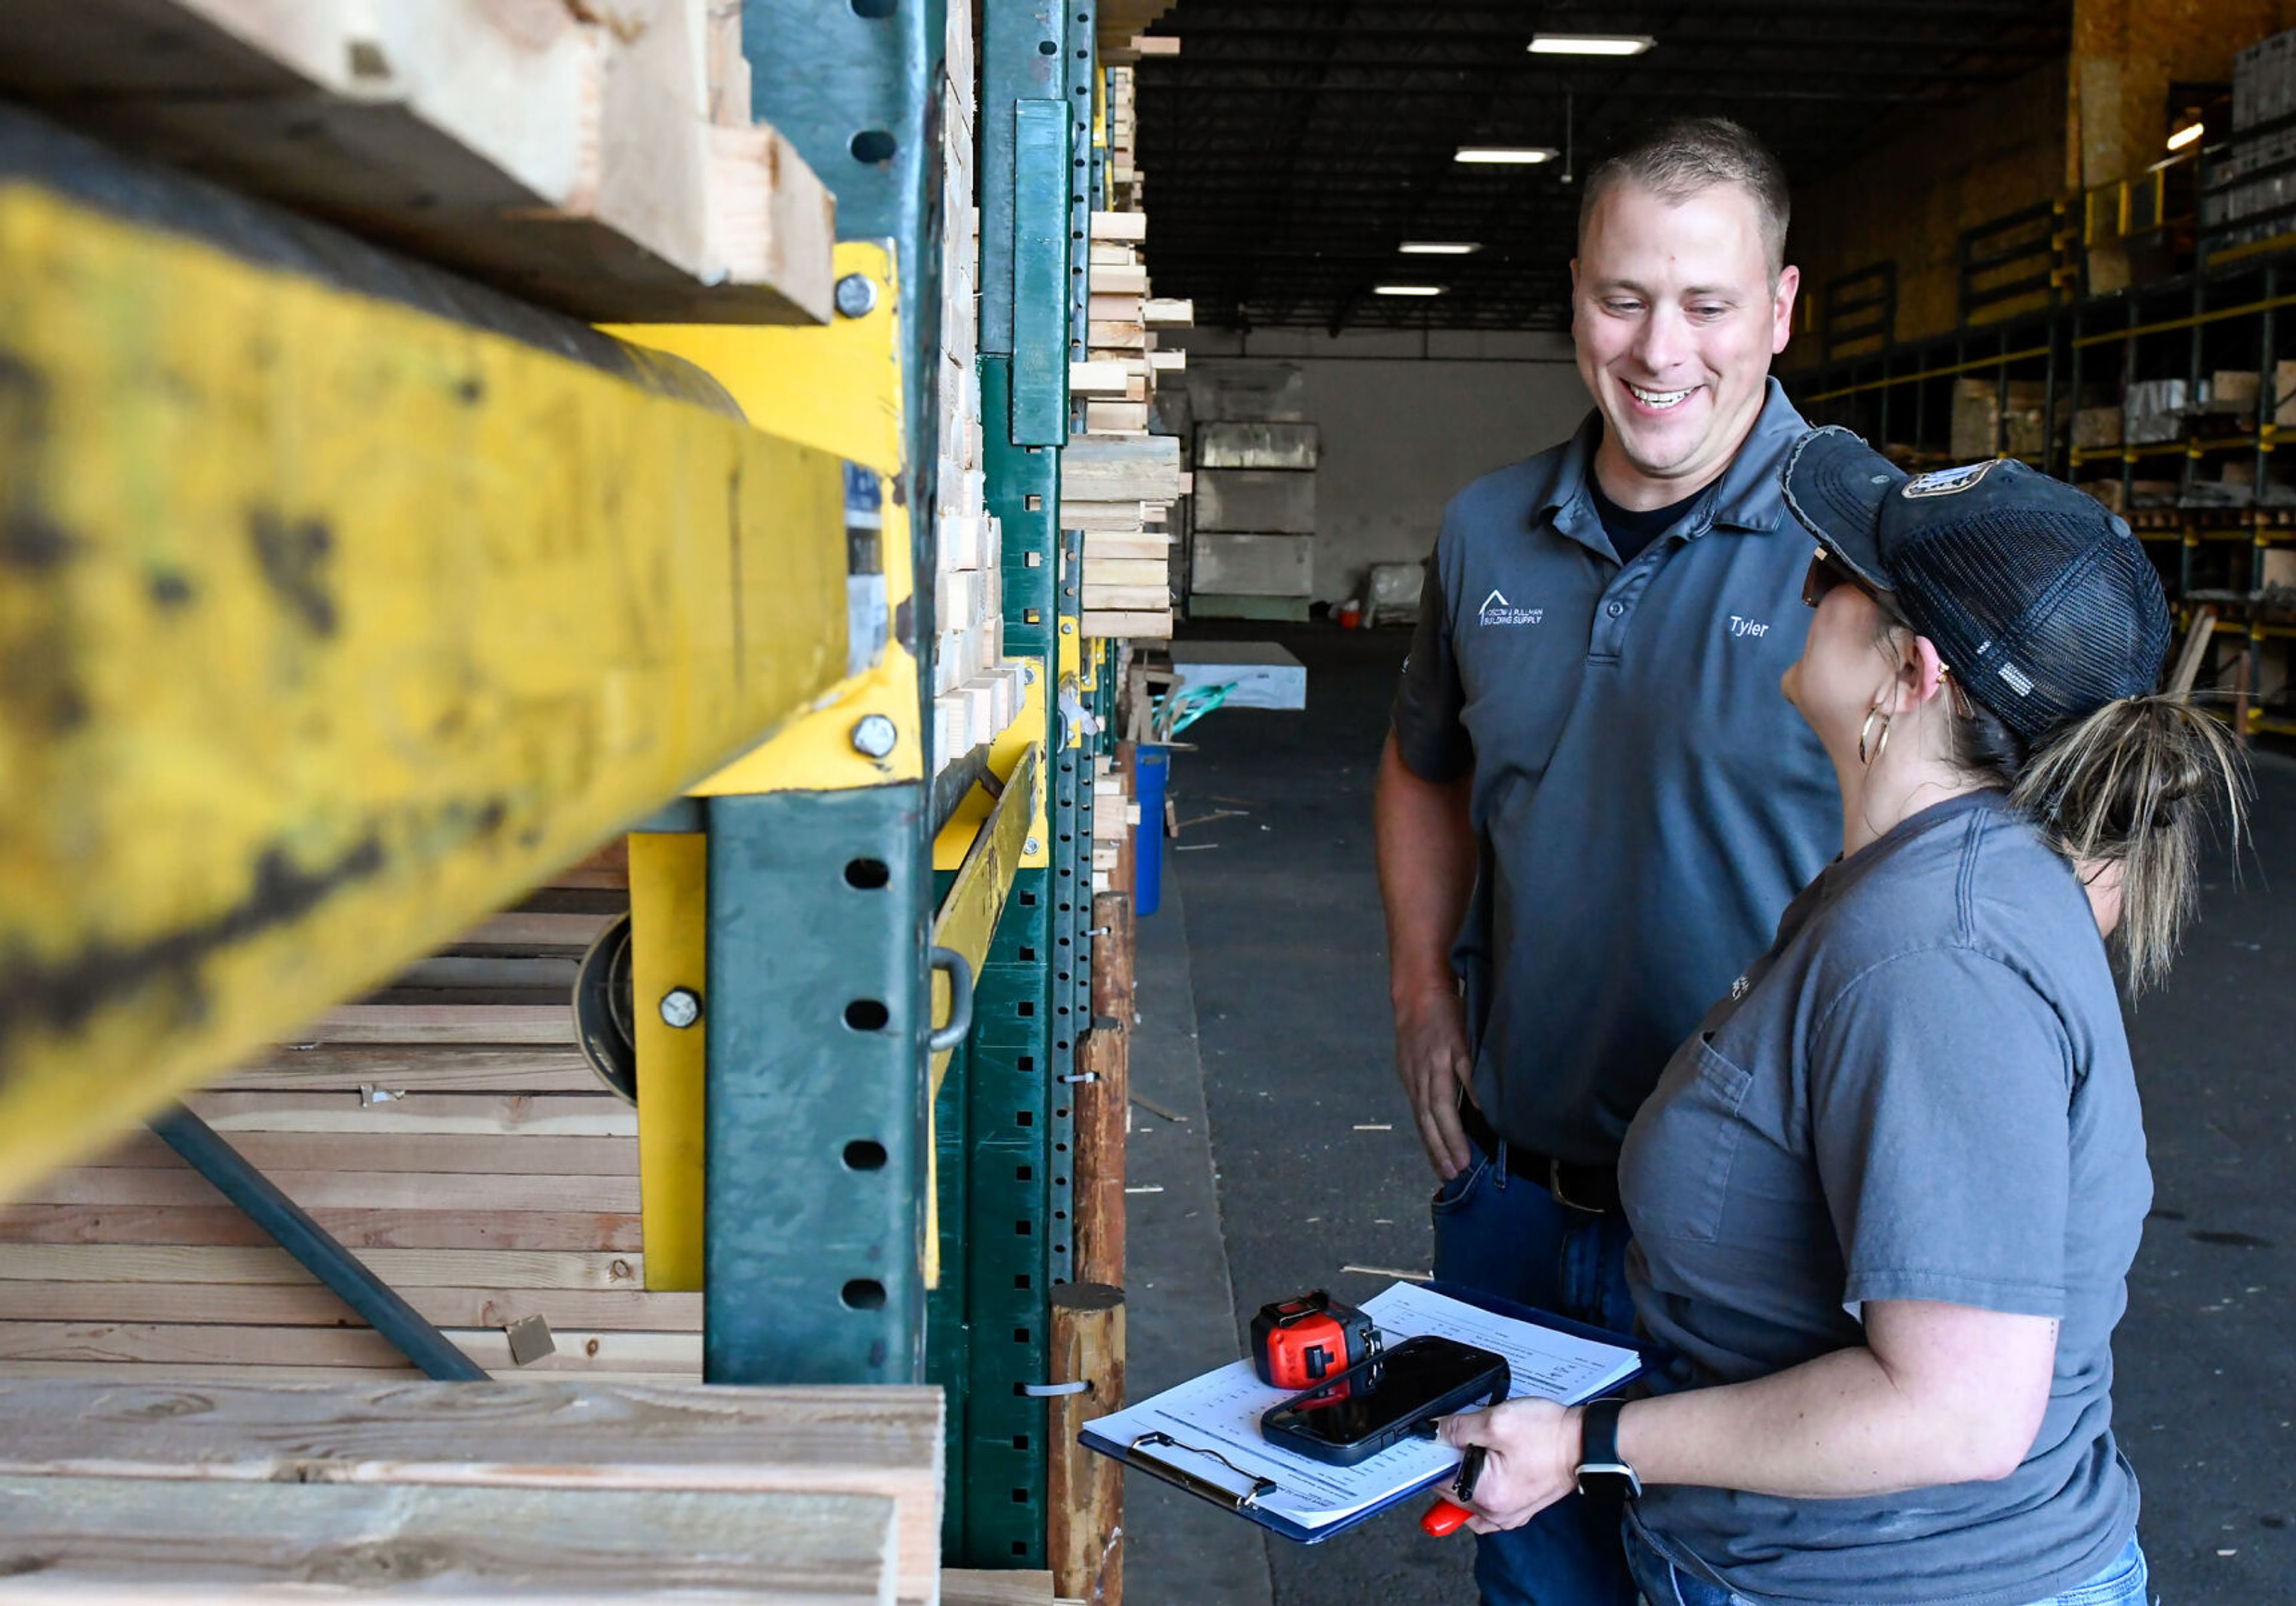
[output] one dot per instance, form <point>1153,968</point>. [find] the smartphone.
<point>1394,1396</point>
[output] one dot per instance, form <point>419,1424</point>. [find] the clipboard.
<point>1241,1491</point>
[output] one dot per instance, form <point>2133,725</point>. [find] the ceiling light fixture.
<point>1440,247</point>
<point>1407,290</point>
<point>1590,44</point>
<point>2186,136</point>
<point>1509,155</point>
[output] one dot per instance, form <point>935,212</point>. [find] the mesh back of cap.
<point>2043,616</point>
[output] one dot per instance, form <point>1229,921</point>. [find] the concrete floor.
<point>1263,997</point>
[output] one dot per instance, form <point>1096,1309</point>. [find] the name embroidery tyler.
<point>1746,627</point>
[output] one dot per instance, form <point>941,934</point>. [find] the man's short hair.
<point>1687,155</point>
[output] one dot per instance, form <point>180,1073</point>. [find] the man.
<point>1595,803</point>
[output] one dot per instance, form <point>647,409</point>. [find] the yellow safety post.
<point>670,874</point>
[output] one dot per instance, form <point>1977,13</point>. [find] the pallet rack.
<point>890,1195</point>
<point>2055,383</point>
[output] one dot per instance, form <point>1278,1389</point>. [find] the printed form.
<point>1208,1429</point>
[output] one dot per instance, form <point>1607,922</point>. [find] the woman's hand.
<point>1533,1459</point>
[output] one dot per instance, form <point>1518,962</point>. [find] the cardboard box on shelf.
<point>2232,390</point>
<point>2096,429</point>
<point>1980,420</point>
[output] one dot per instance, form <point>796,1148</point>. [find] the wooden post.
<point>1105,1054</point>
<point>1127,852</point>
<point>1087,1488</point>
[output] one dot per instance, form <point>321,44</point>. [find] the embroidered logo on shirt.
<point>1738,987</point>
<point>1945,482</point>
<point>1746,627</point>
<point>1497,610</point>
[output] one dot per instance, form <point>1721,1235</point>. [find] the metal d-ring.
<point>960,1000</point>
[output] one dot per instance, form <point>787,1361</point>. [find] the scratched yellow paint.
<point>326,627</point>
<point>837,388</point>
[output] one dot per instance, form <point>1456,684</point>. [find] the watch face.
<point>1610,1477</point>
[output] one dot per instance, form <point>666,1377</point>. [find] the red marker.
<point>1447,1516</point>
<point>1444,1517</point>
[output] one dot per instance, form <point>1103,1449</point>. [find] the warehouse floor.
<point>1264,1021</point>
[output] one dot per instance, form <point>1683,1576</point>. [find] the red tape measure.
<point>1298,1343</point>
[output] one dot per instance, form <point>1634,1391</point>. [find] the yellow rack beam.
<point>326,627</point>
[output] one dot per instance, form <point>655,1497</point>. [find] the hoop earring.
<point>1865,735</point>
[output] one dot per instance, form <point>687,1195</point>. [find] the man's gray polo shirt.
<point>1647,799</point>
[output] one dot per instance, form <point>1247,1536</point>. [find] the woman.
<point>1885,1200</point>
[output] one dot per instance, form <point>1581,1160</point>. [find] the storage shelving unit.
<point>2208,488</point>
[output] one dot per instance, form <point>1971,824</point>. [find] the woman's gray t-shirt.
<point>1923,1090</point>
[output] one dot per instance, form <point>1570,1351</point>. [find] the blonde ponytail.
<point>2131,786</point>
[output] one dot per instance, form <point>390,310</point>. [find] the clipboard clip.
<point>1197,1484</point>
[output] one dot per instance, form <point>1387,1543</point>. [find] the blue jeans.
<point>2123,1582</point>
<point>1507,1235</point>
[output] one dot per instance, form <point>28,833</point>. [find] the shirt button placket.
<point>1612,635</point>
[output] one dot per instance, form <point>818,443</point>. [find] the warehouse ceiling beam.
<point>343,603</point>
<point>1279,127</point>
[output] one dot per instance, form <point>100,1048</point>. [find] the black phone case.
<point>1487,1388</point>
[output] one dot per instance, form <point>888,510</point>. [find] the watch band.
<point>1601,1467</point>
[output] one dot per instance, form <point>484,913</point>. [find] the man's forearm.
<point>1426,849</point>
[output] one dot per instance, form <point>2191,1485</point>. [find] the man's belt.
<point>1594,1189</point>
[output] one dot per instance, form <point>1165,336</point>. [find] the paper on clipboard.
<point>1205,1433</point>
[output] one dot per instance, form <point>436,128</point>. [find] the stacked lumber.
<point>557,1490</point>
<point>598,158</point>
<point>1115,816</point>
<point>1125,187</point>
<point>1117,481</point>
<point>977,691</point>
<point>448,1130</point>
<point>1118,28</point>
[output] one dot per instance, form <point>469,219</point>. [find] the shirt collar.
<point>1748,498</point>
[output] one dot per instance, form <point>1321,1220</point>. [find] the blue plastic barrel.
<point>1149,767</point>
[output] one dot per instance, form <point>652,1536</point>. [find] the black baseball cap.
<point>2038,599</point>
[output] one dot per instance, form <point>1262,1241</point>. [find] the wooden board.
<point>1116,516</point>
<point>310,1305</point>
<point>566,157</point>
<point>223,1226</point>
<point>1120,599</point>
<point>1120,547</point>
<point>438,1191</point>
<point>1098,378</point>
<point>216,1344</point>
<point>1131,226</point>
<point>533,1433</point>
<point>1121,468</point>
<point>538,1023</point>
<point>401,1268</point>
<point>1115,415</point>
<point>1100,570</point>
<point>402,1152</point>
<point>966,1587</point>
<point>556,1115</point>
<point>404,1068</point>
<point>1154,625</point>
<point>522,930</point>
<point>399,1540</point>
